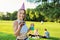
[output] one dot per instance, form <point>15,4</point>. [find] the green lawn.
<point>6,30</point>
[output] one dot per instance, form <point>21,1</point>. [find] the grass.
<point>6,30</point>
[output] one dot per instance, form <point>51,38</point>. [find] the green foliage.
<point>46,11</point>
<point>14,15</point>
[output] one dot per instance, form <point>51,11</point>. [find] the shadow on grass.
<point>5,36</point>
<point>54,38</point>
<point>51,38</point>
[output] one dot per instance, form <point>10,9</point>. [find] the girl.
<point>20,28</point>
<point>46,34</point>
<point>36,34</point>
<point>32,26</point>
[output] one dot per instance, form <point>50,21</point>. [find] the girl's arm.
<point>16,28</point>
<point>28,30</point>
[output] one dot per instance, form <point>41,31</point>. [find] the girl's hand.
<point>21,24</point>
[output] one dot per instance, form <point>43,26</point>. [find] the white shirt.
<point>47,34</point>
<point>36,32</point>
<point>23,31</point>
<point>24,28</point>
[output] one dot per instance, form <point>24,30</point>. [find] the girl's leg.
<point>19,39</point>
<point>26,38</point>
<point>43,36</point>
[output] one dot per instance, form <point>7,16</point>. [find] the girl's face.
<point>36,29</point>
<point>32,24</point>
<point>21,14</point>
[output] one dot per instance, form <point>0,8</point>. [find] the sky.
<point>13,5</point>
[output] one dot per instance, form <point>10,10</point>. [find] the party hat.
<point>23,6</point>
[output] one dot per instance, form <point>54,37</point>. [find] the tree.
<point>9,16</point>
<point>14,15</point>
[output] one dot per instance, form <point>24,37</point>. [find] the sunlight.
<point>13,5</point>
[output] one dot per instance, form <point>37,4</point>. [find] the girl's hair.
<point>45,29</point>
<point>22,9</point>
<point>19,11</point>
<point>32,24</point>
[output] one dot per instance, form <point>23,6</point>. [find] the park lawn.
<point>6,30</point>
